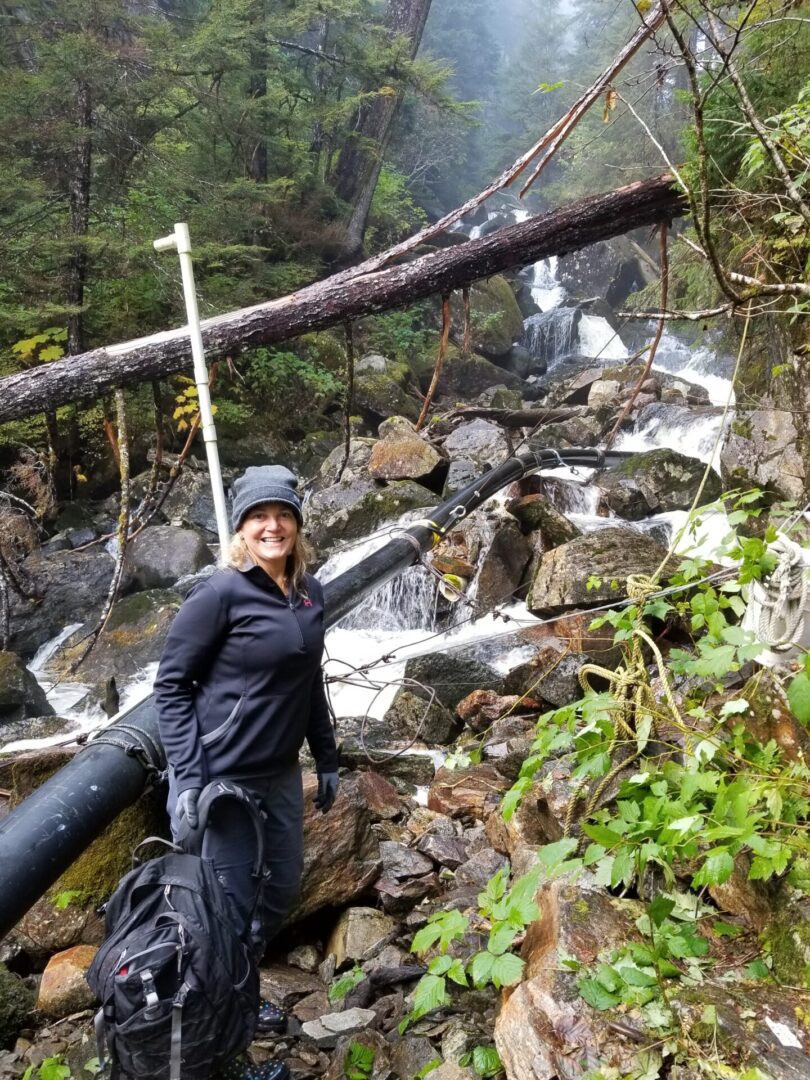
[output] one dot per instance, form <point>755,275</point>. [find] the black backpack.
<point>178,986</point>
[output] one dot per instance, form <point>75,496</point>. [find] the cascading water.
<point>598,340</point>
<point>662,425</point>
<point>552,335</point>
<point>546,290</point>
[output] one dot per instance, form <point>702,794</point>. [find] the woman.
<point>238,690</point>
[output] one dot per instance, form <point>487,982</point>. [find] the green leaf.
<point>347,982</point>
<point>53,1069</point>
<point>506,970</point>
<point>456,973</point>
<point>501,937</point>
<point>430,993</point>
<point>660,908</point>
<point>596,996</point>
<point>480,968</point>
<point>551,855</point>
<point>636,977</point>
<point>799,697</point>
<point>717,868</point>
<point>602,835</point>
<point>757,969</point>
<point>726,929</point>
<point>514,796</point>
<point>486,1061</point>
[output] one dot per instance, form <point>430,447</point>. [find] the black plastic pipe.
<point>49,830</point>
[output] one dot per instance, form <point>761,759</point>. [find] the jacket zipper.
<point>291,605</point>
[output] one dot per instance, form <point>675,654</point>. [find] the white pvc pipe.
<point>181,240</point>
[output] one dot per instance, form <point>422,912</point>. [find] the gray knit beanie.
<point>261,484</point>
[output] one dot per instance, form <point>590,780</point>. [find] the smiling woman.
<point>238,690</point>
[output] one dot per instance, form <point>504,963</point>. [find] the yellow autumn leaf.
<point>182,426</point>
<point>53,352</point>
<point>611,100</point>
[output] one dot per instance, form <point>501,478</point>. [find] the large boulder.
<point>544,1019</point>
<point>356,464</point>
<point>501,565</point>
<point>538,513</point>
<point>64,988</point>
<point>654,482</point>
<point>379,394</point>
<point>190,502</point>
<point>470,793</point>
<point>21,695</point>
<point>463,377</point>
<point>133,638</point>
<point>355,508</point>
<point>496,319</point>
<point>161,554</point>
<point>478,441</point>
<point>414,718</point>
<point>453,677</point>
<point>70,587</point>
<point>604,560</point>
<point>402,453</point>
<point>357,931</point>
<point>761,448</point>
<point>341,852</point>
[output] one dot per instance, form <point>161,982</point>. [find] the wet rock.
<point>134,637</point>
<point>410,1056</point>
<point>20,694</point>
<point>761,448</point>
<point>16,1005</point>
<point>544,1029</point>
<point>479,868</point>
<point>381,797</point>
<point>654,482</point>
<point>605,393</point>
<point>553,334</point>
<point>460,473</point>
<point>453,677</point>
<point>357,932</point>
<point>482,708</point>
<point>326,1030</point>
<point>355,508</point>
<point>311,1007</point>
<point>501,565</point>
<point>410,715</point>
<point>63,989</point>
<point>469,793</point>
<point>402,453</point>
<point>479,441</point>
<point>71,585</point>
<point>521,362</point>
<point>537,512</point>
<point>465,377</point>
<point>162,553</point>
<point>401,862</point>
<point>609,555</point>
<point>341,855</point>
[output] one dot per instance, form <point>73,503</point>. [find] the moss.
<point>95,874</point>
<point>789,941</point>
<point>138,607</point>
<point>742,427</point>
<point>16,1005</point>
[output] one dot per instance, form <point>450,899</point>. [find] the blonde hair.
<point>297,560</point>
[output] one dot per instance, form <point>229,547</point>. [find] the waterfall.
<point>675,426</point>
<point>546,290</point>
<point>599,341</point>
<point>552,335</point>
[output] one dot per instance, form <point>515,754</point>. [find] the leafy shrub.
<point>293,390</point>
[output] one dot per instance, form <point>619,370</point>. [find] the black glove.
<point>187,806</point>
<point>327,790</point>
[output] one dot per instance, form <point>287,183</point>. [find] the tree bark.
<point>520,418</point>
<point>342,298</point>
<point>79,200</point>
<point>361,159</point>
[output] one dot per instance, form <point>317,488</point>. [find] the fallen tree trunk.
<point>337,300</point>
<point>517,418</point>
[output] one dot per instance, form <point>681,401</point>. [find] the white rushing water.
<point>598,339</point>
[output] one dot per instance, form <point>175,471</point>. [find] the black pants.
<point>230,844</point>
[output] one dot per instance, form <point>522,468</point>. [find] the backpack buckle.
<point>149,991</point>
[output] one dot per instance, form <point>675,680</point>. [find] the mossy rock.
<point>96,873</point>
<point>16,1006</point>
<point>379,395</point>
<point>789,940</point>
<point>496,318</point>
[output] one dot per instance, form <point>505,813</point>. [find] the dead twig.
<point>437,371</point>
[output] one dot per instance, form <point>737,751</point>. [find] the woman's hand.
<point>187,807</point>
<point>327,790</point>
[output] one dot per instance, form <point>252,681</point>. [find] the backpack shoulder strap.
<point>191,840</point>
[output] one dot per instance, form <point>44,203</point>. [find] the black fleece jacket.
<point>240,685</point>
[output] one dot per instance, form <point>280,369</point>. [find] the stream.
<point>397,622</point>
